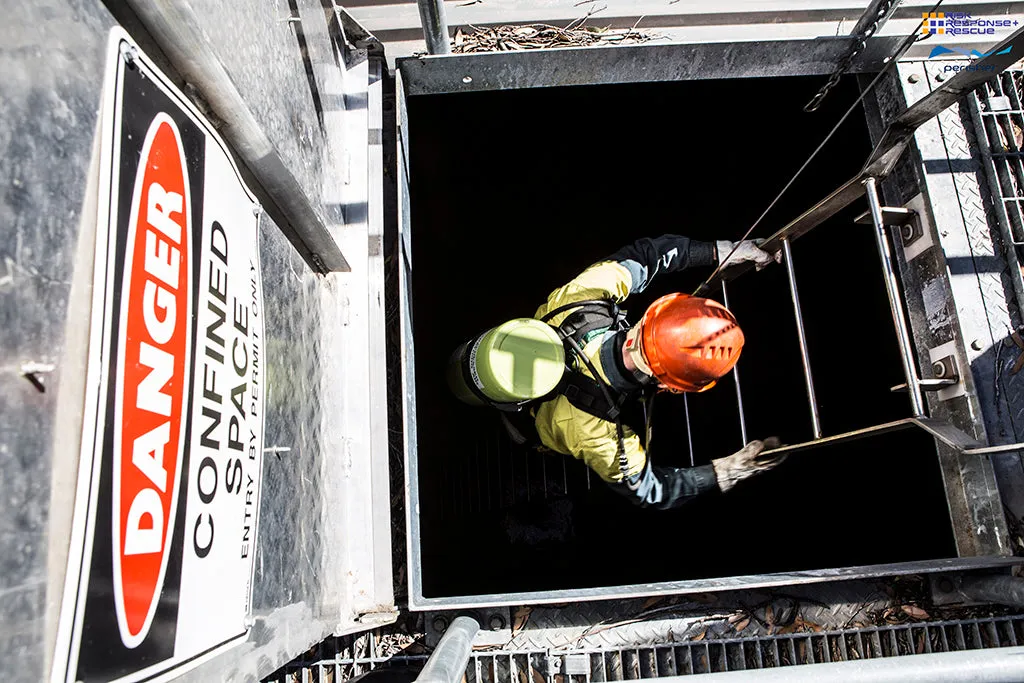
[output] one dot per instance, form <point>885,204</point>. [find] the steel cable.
<point>914,36</point>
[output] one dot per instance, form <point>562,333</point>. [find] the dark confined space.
<point>514,193</point>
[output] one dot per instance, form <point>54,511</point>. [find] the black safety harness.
<point>593,395</point>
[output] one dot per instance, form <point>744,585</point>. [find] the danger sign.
<point>161,565</point>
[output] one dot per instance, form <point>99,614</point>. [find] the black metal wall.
<point>514,193</point>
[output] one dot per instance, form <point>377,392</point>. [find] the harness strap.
<point>585,394</point>
<point>605,310</point>
<point>619,432</point>
<point>581,323</point>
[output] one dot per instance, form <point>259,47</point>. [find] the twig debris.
<point>539,36</point>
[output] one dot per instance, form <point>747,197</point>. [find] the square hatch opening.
<point>514,192</point>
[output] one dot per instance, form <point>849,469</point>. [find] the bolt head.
<point>440,623</point>
<point>976,345</point>
<point>913,78</point>
<point>939,369</point>
<point>940,77</point>
<point>496,622</point>
<point>945,585</point>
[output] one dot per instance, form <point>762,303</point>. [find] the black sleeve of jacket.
<point>652,256</point>
<point>669,487</point>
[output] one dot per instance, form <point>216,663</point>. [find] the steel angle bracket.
<point>928,385</point>
<point>947,434</point>
<point>650,62</point>
<point>898,215</point>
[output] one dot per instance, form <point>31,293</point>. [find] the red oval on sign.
<point>153,352</point>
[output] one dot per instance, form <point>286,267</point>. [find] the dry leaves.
<point>740,620</point>
<point>914,612</point>
<point>536,36</point>
<point>519,618</point>
<point>889,616</point>
<point>390,644</point>
<point>898,614</point>
<point>651,602</point>
<point>537,676</point>
<point>801,625</point>
<point>700,636</point>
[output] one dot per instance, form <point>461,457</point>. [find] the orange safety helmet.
<point>685,342</point>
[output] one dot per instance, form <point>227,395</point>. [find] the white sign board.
<point>161,565</point>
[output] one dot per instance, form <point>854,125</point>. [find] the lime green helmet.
<point>517,361</point>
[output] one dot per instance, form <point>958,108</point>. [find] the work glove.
<point>746,251</point>
<point>746,463</point>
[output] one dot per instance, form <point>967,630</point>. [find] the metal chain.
<point>860,42</point>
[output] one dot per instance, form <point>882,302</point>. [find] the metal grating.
<point>996,111</point>
<point>1000,106</point>
<point>679,659</point>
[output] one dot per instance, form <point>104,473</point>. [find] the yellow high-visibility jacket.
<point>564,428</point>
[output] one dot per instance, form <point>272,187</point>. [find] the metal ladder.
<point>879,165</point>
